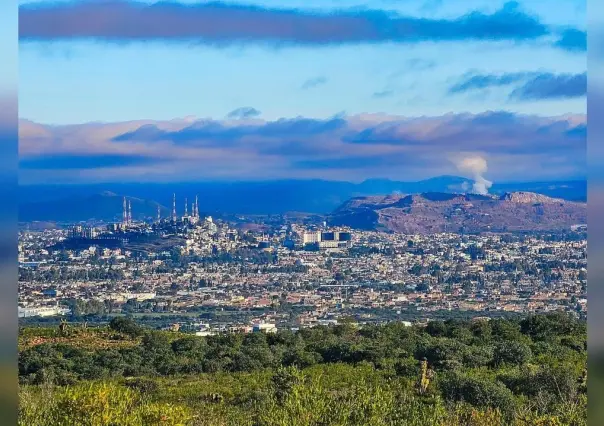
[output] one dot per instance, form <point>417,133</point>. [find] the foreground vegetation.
<point>529,371</point>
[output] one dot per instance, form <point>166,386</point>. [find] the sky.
<point>8,96</point>
<point>335,89</point>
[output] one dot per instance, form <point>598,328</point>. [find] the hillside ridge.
<point>433,212</point>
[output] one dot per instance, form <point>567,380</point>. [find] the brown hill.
<point>434,212</point>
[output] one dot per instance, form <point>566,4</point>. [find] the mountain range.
<point>67,203</point>
<point>104,206</point>
<point>433,212</point>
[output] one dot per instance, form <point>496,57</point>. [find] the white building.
<point>41,311</point>
<point>264,327</point>
<point>311,237</point>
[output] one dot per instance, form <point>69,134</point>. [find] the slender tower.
<point>174,208</point>
<point>186,208</point>
<point>129,212</point>
<point>124,212</point>
<point>158,214</point>
<point>196,206</point>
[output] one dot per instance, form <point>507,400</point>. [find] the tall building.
<point>76,231</point>
<point>311,237</point>
<point>80,231</point>
<point>327,240</point>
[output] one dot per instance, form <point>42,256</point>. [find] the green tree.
<point>511,352</point>
<point>125,325</point>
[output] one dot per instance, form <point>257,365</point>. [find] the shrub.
<point>407,367</point>
<point>126,326</point>
<point>142,385</point>
<point>511,352</point>
<point>100,405</point>
<point>478,392</point>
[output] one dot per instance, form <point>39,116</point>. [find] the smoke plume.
<point>474,167</point>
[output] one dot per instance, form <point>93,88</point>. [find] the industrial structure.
<point>174,217</point>
<point>189,216</point>
<point>126,213</point>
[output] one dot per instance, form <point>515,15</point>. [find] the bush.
<point>99,405</point>
<point>558,382</point>
<point>541,327</point>
<point>300,358</point>
<point>436,328</point>
<point>574,343</point>
<point>478,392</point>
<point>363,376</point>
<point>144,386</point>
<point>478,356</point>
<point>407,367</point>
<point>443,352</point>
<point>126,326</point>
<point>511,352</point>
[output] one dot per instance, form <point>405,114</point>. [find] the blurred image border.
<point>595,161</point>
<point>9,148</point>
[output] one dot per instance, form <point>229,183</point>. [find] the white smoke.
<point>474,167</point>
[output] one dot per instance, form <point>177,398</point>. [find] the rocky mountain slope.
<point>433,212</point>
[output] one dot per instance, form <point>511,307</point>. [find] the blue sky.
<point>270,60</point>
<point>8,93</point>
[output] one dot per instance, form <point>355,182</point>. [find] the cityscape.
<point>215,276</point>
<point>303,213</point>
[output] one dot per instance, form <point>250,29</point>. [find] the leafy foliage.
<point>503,371</point>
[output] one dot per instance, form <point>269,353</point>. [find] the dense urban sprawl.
<point>214,275</point>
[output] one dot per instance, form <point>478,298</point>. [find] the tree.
<point>478,392</point>
<point>284,380</point>
<point>436,328</point>
<point>126,326</point>
<point>511,352</point>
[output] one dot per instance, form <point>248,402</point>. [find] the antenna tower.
<point>174,208</point>
<point>124,212</point>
